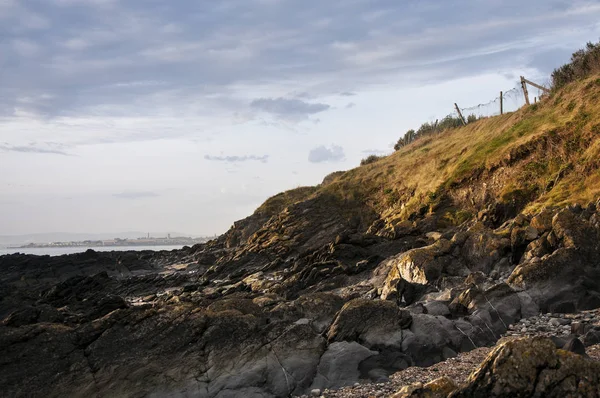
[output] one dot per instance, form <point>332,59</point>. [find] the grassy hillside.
<point>542,155</point>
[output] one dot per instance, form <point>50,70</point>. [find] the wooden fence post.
<point>524,85</point>
<point>501,104</point>
<point>460,114</point>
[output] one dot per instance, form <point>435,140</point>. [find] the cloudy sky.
<point>184,116</point>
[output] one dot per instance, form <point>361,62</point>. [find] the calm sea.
<point>57,251</point>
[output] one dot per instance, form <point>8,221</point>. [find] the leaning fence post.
<point>501,104</point>
<point>460,114</point>
<point>524,85</point>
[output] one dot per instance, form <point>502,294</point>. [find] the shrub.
<point>370,159</point>
<point>405,140</point>
<point>439,126</point>
<point>584,63</point>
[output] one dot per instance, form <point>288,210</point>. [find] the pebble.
<point>550,324</point>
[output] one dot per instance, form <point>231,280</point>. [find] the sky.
<point>120,115</point>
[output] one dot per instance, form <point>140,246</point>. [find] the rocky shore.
<point>225,320</point>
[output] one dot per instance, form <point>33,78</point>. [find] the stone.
<point>575,346</point>
<point>436,308</point>
<point>448,353</point>
<point>580,328</point>
<point>315,392</point>
<point>542,221</point>
<point>435,236</point>
<point>438,388</point>
<point>532,367</point>
<point>338,366</point>
<point>373,323</point>
<point>592,337</point>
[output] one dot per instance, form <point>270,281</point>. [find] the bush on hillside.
<point>584,63</point>
<point>405,140</point>
<point>370,159</point>
<point>439,126</point>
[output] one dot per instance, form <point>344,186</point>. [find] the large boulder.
<point>483,248</point>
<point>339,365</point>
<point>371,323</point>
<point>532,368</point>
<point>430,337</point>
<point>422,265</point>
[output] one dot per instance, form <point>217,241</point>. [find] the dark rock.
<point>23,316</point>
<point>436,308</point>
<point>385,363</point>
<point>372,323</point>
<point>339,365</point>
<point>580,328</point>
<point>592,337</point>
<point>575,346</point>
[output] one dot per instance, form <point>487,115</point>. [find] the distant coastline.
<point>118,242</point>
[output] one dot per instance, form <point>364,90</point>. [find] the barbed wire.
<point>512,100</point>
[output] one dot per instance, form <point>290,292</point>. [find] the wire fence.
<point>511,100</point>
<point>506,102</point>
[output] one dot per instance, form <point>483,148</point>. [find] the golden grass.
<point>418,173</point>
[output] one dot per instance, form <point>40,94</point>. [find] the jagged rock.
<point>320,308</point>
<point>532,367</point>
<point>422,265</point>
<point>372,323</point>
<point>565,280</point>
<point>482,249</point>
<point>146,324</point>
<point>23,316</point>
<point>543,220</point>
<point>244,306</point>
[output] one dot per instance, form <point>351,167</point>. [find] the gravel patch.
<point>460,367</point>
